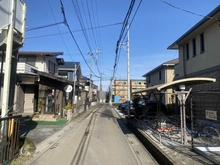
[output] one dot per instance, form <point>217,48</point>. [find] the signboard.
<point>20,13</point>
<point>68,88</point>
<point>212,115</point>
<point>20,16</point>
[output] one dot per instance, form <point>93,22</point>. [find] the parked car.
<point>123,106</point>
<point>131,108</point>
<point>150,109</point>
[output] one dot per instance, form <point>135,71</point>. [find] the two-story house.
<point>162,74</point>
<point>37,79</point>
<point>199,57</point>
<point>72,71</point>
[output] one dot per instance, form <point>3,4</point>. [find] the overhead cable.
<point>45,26</point>
<point>188,10</point>
<point>74,31</point>
<point>60,31</point>
<point>63,12</point>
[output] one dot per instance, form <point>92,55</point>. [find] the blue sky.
<point>155,26</point>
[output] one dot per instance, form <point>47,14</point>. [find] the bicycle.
<point>207,133</point>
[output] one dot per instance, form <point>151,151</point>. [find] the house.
<point>199,57</point>
<point>38,80</point>
<point>162,74</point>
<point>72,71</point>
<point>94,93</point>
<point>120,87</point>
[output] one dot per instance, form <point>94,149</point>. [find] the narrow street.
<point>97,139</point>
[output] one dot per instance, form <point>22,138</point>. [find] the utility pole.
<point>128,69</point>
<point>74,87</point>
<point>90,84</point>
<point>7,72</point>
<point>101,81</point>
<point>110,92</point>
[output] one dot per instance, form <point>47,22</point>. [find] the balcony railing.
<point>23,67</point>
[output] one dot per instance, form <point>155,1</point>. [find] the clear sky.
<point>155,26</point>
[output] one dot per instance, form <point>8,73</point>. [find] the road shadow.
<point>26,125</point>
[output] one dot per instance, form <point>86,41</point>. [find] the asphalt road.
<point>98,138</point>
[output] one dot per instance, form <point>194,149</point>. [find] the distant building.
<point>162,74</point>
<point>120,87</point>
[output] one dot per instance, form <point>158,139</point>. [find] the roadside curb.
<point>199,151</point>
<point>149,144</point>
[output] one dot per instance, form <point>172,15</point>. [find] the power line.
<point>47,35</point>
<point>132,19</point>
<point>60,31</point>
<point>89,20</point>
<point>188,10</point>
<point>63,12</point>
<point>117,56</point>
<point>79,16</point>
<point>45,26</point>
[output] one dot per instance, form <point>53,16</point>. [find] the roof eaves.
<point>40,53</point>
<point>205,19</point>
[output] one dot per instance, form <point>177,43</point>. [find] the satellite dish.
<point>68,88</point>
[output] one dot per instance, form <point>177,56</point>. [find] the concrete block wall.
<point>207,96</point>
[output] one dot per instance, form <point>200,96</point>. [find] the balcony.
<point>23,67</point>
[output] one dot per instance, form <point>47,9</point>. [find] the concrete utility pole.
<point>7,72</point>
<point>100,82</point>
<point>74,87</point>
<point>128,70</point>
<point>110,92</point>
<point>90,85</point>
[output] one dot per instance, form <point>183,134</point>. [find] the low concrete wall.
<point>149,144</point>
<point>77,111</point>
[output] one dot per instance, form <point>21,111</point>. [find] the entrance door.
<point>29,99</point>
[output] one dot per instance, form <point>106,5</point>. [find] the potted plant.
<point>68,106</point>
<point>40,105</point>
<point>67,110</point>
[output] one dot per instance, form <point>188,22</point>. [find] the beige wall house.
<point>120,87</point>
<point>162,74</point>
<point>37,79</point>
<point>199,57</point>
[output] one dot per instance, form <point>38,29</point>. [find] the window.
<point>63,74</point>
<point>187,51</point>
<point>123,82</point>
<point>31,60</point>
<point>149,79</point>
<point>194,47</point>
<point>160,75</point>
<point>202,43</point>
<point>137,83</point>
<point>51,67</point>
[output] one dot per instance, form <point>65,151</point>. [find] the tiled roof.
<point>174,61</point>
<point>69,65</point>
<point>168,63</point>
<point>39,53</point>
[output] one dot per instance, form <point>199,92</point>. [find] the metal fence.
<point>9,138</point>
